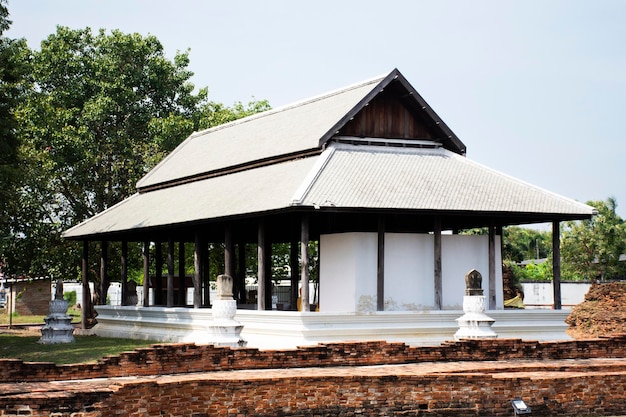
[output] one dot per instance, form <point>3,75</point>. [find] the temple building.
<point>374,177</point>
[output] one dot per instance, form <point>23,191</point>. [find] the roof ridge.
<point>312,177</point>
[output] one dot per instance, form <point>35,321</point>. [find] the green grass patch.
<point>18,319</point>
<point>85,349</point>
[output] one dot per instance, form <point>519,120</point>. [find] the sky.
<point>535,89</point>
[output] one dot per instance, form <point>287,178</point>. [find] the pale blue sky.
<point>535,89</point>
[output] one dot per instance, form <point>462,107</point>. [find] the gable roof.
<point>292,131</point>
<point>319,154</point>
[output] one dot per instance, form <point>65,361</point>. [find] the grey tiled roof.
<point>285,130</point>
<point>257,190</point>
<point>344,176</point>
<point>425,179</point>
<point>262,163</point>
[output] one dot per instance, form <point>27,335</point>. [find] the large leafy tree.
<point>591,249</point>
<point>14,56</point>
<point>103,109</point>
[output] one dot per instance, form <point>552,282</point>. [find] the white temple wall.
<point>348,263</point>
<point>460,254</point>
<point>366,261</point>
<point>409,266</point>
<point>348,271</point>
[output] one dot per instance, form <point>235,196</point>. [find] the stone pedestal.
<point>474,324</point>
<point>58,327</point>
<point>224,329</point>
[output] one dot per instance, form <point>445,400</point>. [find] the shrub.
<point>70,297</point>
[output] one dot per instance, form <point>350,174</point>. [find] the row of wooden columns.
<point>182,295</point>
<point>201,271</point>
<point>263,273</point>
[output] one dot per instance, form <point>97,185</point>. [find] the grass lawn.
<point>23,345</point>
<point>19,319</point>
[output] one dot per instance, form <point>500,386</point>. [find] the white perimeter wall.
<point>541,294</point>
<point>348,264</point>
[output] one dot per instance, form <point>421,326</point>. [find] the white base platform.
<point>290,329</point>
<point>475,324</point>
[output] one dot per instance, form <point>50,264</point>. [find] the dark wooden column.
<point>170,272</point>
<point>104,272</point>
<point>295,274</point>
<point>182,282</point>
<point>124,272</point>
<point>268,274</point>
<point>229,252</point>
<point>206,274</point>
<point>556,264</point>
<point>492,267</point>
<point>241,274</point>
<point>86,302</point>
<point>317,296</point>
<point>380,279</point>
<point>197,271</point>
<point>261,271</point>
<point>146,273</point>
<point>158,272</point>
<point>304,259</point>
<point>437,264</point>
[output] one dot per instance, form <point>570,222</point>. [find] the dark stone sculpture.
<point>58,293</point>
<point>473,283</point>
<point>131,294</point>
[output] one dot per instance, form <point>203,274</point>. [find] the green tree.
<point>520,243</point>
<point>103,108</point>
<point>591,249</point>
<point>532,271</point>
<point>14,61</point>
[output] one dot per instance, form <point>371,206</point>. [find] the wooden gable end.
<point>386,116</point>
<point>395,110</point>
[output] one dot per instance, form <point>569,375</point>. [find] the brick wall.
<point>185,358</point>
<point>587,391</point>
<point>458,396</point>
<point>32,297</point>
<point>473,394</point>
